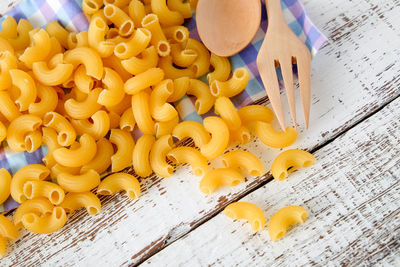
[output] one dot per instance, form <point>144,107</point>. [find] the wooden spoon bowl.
<point>227,26</point>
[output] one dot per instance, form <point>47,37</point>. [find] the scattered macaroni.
<point>191,156</point>
<point>219,137</point>
<point>289,161</point>
<point>120,181</point>
<point>272,138</point>
<point>248,211</point>
<point>76,201</point>
<point>244,160</point>
<point>283,219</point>
<point>141,152</point>
<point>220,177</point>
<point>158,156</point>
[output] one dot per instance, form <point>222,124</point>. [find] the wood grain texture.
<point>352,194</point>
<point>353,76</point>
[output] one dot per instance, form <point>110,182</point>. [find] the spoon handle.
<point>275,14</point>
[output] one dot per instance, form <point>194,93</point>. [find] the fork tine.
<point>267,71</point>
<point>287,74</point>
<point>304,73</point>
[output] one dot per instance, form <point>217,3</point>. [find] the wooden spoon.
<point>227,26</point>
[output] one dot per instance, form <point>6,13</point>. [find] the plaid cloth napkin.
<point>69,14</point>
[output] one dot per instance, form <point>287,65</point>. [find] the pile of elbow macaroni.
<point>84,94</point>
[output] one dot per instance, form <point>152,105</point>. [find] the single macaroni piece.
<point>273,138</point>
<point>181,85</point>
<point>49,190</point>
<point>33,141</point>
<point>220,177</point>
<point>66,133</point>
<point>7,62</point>
<point>204,99</point>
<point>5,182</point>
<point>48,100</point>
<point>253,113</point>
<point>140,158</point>
<point>18,131</point>
<point>167,17</point>
<point>54,29</point>
<point>49,138</point>
<point>136,11</point>
<point>102,159</point>
<point>289,161</point>
<point>127,122</point>
<point>76,40</point>
<point>22,38</point>
<point>172,72</point>
<point>179,34</point>
<point>27,88</point>
<point>165,127</point>
<point>194,130</point>
<point>3,132</point>
<point>32,172</point>
<point>46,224</point>
<point>222,69</point>
<point>182,57</point>
<point>8,232</point>
<point>125,144</point>
<point>158,39</point>
<point>120,19</point>
<point>144,80</point>
<point>90,7</point>
<point>75,157</point>
<point>233,86</point>
<point>283,219</point>
<point>141,112</point>
<point>113,92</point>
<point>39,49</point>
<point>161,110</point>
<point>225,108</point>
<point>76,201</point>
<point>202,63</point>
<point>40,206</point>
<point>244,160</point>
<point>97,29</point>
<point>191,156</point>
<point>120,181</point>
<point>158,156</point>
<point>89,58</point>
<point>248,211</point>
<point>241,136</point>
<point>219,137</point>
<point>98,128</point>
<point>183,8</point>
<point>134,45</point>
<point>79,183</point>
<point>8,28</point>
<point>86,108</point>
<point>82,81</point>
<point>8,107</point>
<point>55,76</point>
<point>58,168</point>
<point>147,59</point>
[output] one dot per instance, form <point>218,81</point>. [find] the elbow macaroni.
<point>102,159</point>
<point>78,183</point>
<point>97,129</point>
<point>219,137</point>
<point>53,192</point>
<point>144,80</point>
<point>161,110</point>
<point>120,181</point>
<point>194,130</point>
<point>46,224</point>
<point>244,160</point>
<point>225,108</point>
<point>87,200</point>
<point>204,99</point>
<point>66,133</point>
<point>191,156</point>
<point>141,152</point>
<point>158,156</point>
<point>125,144</point>
<point>113,92</point>
<point>222,69</point>
<point>272,138</point>
<point>165,127</point>
<point>40,206</point>
<point>19,129</point>
<point>220,177</point>
<point>283,219</point>
<point>233,86</point>
<point>141,112</point>
<point>248,211</point>
<point>5,182</point>
<point>289,161</point>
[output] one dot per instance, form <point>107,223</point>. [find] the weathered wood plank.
<point>352,194</point>
<point>353,76</point>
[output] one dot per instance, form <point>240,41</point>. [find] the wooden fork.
<point>281,47</point>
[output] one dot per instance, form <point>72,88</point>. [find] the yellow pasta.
<point>181,6</point>
<point>58,168</point>
<point>191,156</point>
<point>244,160</point>
<point>83,109</point>
<point>158,155</point>
<point>283,219</point>
<point>5,182</point>
<point>97,30</point>
<point>158,39</point>
<point>120,19</point>
<point>253,113</point>
<point>120,181</point>
<point>219,137</point>
<point>220,177</point>
<point>204,99</point>
<point>5,46</point>
<point>79,156</point>
<point>98,128</point>
<point>3,132</point>
<point>194,130</point>
<point>55,76</point>
<point>141,112</point>
<point>140,158</point>
<point>48,100</point>
<point>7,107</point>
<point>179,34</point>
<point>144,80</point>
<point>222,69</point>
<point>7,62</point>
<point>225,108</point>
<point>79,183</point>
<point>33,141</point>
<point>66,133</point>
<point>78,39</point>
<point>102,159</point>
<point>49,190</point>
<point>161,110</point>
<point>248,211</point>
<point>134,45</point>
<point>27,88</point>
<point>22,39</point>
<point>165,127</point>
<point>50,139</point>
<point>89,58</point>
<point>54,29</point>
<point>113,92</point>
<point>181,85</point>
<point>19,129</point>
<point>114,119</point>
<point>167,17</point>
<point>127,122</point>
<point>114,63</point>
<point>125,144</point>
<point>241,136</point>
<point>76,201</point>
<point>40,206</point>
<point>289,161</point>
<point>39,49</point>
<point>26,173</point>
<point>273,138</point>
<point>182,57</point>
<point>90,7</point>
<point>83,81</point>
<point>8,231</point>
<point>8,28</point>
<point>118,3</point>
<point>46,224</point>
<point>171,72</point>
<point>234,86</point>
<point>146,60</point>
<point>136,11</point>
<point>202,63</point>
<point>55,48</point>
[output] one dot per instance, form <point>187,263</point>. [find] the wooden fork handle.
<point>275,14</point>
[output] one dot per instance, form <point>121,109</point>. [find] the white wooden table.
<point>352,192</point>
